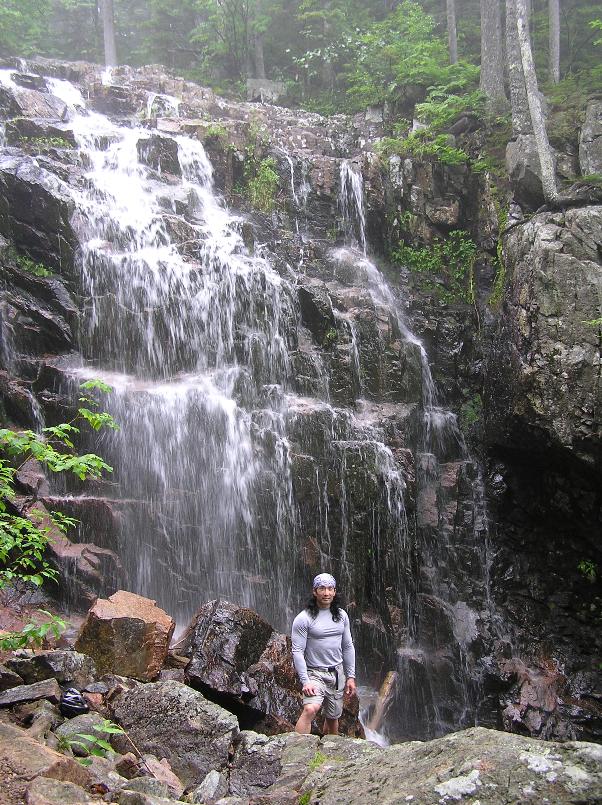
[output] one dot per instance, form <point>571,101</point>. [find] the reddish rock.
<point>126,634</point>
<point>23,758</point>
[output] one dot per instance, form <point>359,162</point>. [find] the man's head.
<point>324,590</point>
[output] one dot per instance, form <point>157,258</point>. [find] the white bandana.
<point>324,580</point>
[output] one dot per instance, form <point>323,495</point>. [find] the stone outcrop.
<point>488,766</point>
<point>69,668</point>
<point>173,721</point>
<point>126,634</point>
<point>545,376</point>
<point>590,143</point>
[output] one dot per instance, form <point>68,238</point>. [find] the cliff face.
<point>463,580</point>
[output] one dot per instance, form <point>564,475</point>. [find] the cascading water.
<point>192,339</point>
<point>420,692</point>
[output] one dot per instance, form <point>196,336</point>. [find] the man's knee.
<point>311,709</point>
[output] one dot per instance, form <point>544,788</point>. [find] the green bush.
<point>262,188</point>
<point>445,267</point>
<point>23,539</point>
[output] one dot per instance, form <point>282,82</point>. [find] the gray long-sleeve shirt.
<point>321,642</point>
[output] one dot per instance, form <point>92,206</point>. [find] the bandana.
<point>324,580</point>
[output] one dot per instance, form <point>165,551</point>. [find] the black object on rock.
<point>72,703</point>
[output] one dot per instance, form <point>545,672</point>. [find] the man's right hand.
<point>309,689</point>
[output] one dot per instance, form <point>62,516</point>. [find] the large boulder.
<point>67,667</point>
<point>126,634</point>
<point>170,720</point>
<point>223,642</point>
<point>47,689</point>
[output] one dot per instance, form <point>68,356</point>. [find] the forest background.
<point>332,55</point>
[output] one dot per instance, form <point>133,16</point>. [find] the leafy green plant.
<point>423,145</point>
<point>29,265</point>
<point>33,633</point>
<point>23,539</point>
<point>499,282</point>
<point>447,266</point>
<point>97,745</point>
<point>471,412</point>
<point>304,798</point>
<point>330,338</point>
<point>44,143</point>
<point>588,569</point>
<point>263,186</point>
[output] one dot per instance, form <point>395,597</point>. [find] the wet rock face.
<point>35,213</point>
<point>590,144</point>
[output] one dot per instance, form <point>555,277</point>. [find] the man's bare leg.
<point>303,725</point>
<point>331,726</point>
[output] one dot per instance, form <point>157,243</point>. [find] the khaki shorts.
<point>329,694</point>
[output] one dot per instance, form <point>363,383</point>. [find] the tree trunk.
<point>554,14</point>
<point>492,53</point>
<point>521,119</point>
<point>108,29</point>
<point>258,55</point>
<point>452,36</point>
<point>546,159</point>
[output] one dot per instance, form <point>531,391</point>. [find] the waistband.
<point>331,668</point>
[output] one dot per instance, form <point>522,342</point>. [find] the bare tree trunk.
<point>108,29</point>
<point>258,55</point>
<point>546,159</point>
<point>452,35</point>
<point>492,53</point>
<point>554,14</point>
<point>521,119</point>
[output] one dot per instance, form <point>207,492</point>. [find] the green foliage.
<point>588,569</point>
<point>499,282</point>
<point>304,798</point>
<point>263,185</point>
<point>34,633</point>
<point>23,540</point>
<point>445,267</point>
<point>330,338</point>
<point>423,145</point>
<point>97,745</point>
<point>471,412</point>
<point>30,266</point>
<point>317,760</point>
<point>44,143</point>
<point>446,102</point>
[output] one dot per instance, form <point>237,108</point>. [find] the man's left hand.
<point>350,687</point>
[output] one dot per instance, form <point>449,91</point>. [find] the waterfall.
<point>252,450</point>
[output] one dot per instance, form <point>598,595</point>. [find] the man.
<point>324,656</point>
